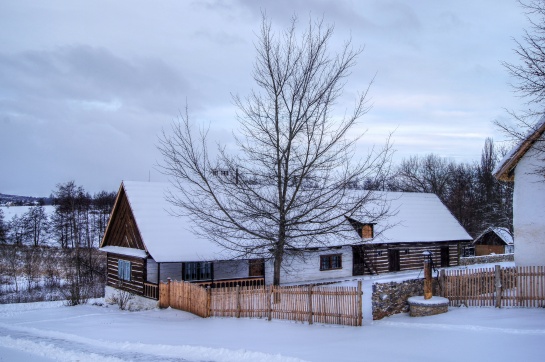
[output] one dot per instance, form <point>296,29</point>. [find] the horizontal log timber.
<point>138,273</point>
<point>410,254</point>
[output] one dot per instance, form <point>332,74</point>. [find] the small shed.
<point>494,240</point>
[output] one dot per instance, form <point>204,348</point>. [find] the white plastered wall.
<point>296,270</point>
<point>529,211</point>
<point>136,303</point>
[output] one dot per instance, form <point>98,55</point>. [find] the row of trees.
<point>75,227</point>
<point>79,220</point>
<point>470,190</point>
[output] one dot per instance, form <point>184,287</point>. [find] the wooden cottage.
<point>146,244</point>
<point>525,166</point>
<point>494,240</point>
<point>416,222</point>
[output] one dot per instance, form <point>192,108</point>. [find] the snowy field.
<point>49,331</point>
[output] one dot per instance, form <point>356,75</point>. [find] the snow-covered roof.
<point>503,234</point>
<point>416,217</point>
<point>503,170</point>
<point>124,251</point>
<point>412,217</point>
<point>167,238</point>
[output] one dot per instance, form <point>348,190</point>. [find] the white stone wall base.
<point>136,303</point>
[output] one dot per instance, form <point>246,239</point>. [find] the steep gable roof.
<point>504,170</point>
<point>166,237</point>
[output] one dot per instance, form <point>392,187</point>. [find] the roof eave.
<point>505,171</point>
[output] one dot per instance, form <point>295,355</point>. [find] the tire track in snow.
<point>461,327</point>
<point>130,351</point>
<point>48,350</point>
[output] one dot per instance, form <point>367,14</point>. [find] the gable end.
<point>122,229</point>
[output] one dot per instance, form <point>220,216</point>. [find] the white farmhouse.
<point>524,166</point>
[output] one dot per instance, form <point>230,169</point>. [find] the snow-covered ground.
<point>50,331</point>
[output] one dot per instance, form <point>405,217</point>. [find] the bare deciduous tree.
<point>529,80</point>
<point>288,185</point>
<point>36,225</point>
<point>3,228</point>
<point>429,173</point>
<point>529,74</point>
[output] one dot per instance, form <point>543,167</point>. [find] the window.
<point>220,172</point>
<point>367,231</point>
<point>198,271</point>
<point>124,270</point>
<point>330,262</point>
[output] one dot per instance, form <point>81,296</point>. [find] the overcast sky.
<point>87,86</point>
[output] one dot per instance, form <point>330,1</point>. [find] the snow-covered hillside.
<point>50,331</point>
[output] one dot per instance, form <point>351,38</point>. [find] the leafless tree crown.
<point>288,186</point>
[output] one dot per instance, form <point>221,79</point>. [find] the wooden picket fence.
<point>309,303</point>
<point>184,296</point>
<point>499,287</point>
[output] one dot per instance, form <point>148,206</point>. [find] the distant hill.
<point>16,200</point>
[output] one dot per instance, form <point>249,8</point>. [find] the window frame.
<point>124,270</point>
<point>368,231</point>
<point>331,262</point>
<point>197,270</point>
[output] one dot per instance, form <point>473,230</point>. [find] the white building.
<point>524,166</point>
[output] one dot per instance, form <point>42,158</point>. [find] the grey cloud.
<point>84,73</point>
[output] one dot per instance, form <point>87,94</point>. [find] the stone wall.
<point>391,298</point>
<point>486,259</point>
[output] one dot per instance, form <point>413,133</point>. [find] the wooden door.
<point>393,260</point>
<point>445,256</point>
<point>358,260</point>
<point>257,267</point>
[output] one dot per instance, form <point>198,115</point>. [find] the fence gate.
<point>185,296</point>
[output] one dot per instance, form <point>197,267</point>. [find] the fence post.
<point>497,277</point>
<point>238,301</point>
<point>208,301</point>
<point>168,293</point>
<point>442,282</point>
<point>270,302</point>
<point>360,304</point>
<point>310,304</point>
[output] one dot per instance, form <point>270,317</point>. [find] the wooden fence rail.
<point>312,304</point>
<point>499,287</point>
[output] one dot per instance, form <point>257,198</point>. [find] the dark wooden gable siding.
<point>122,230</point>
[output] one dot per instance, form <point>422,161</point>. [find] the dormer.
<point>367,231</point>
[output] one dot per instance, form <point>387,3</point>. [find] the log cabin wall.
<point>410,255</point>
<point>138,273</point>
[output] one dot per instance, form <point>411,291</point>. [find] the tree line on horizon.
<point>52,257</point>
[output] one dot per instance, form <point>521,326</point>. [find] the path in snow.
<point>71,348</point>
